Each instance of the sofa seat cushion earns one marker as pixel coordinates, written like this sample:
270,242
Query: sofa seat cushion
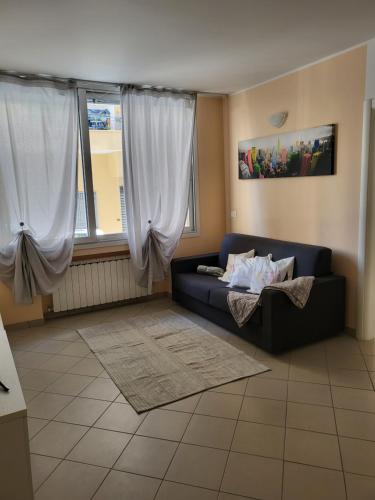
218,299
196,285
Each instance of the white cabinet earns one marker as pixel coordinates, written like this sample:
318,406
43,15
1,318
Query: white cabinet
15,470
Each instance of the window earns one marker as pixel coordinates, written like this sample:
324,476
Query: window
101,209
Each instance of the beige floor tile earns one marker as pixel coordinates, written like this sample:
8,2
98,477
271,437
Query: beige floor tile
123,486
360,487
350,378
252,476
69,385
367,347
41,468
315,374
76,349
25,343
198,466
218,404
35,425
353,399
23,371
372,375
38,380
47,405
57,439
259,439
73,322
87,366
32,359
352,362
72,481
120,417
308,355
355,424
210,431
312,448
358,456
101,388
303,392
237,387
51,346
60,363
343,345
164,424
99,447
147,456
187,405
229,496
174,491
267,388
312,483
82,411
65,334
264,411
370,362
29,394
103,373
311,417
278,369
121,399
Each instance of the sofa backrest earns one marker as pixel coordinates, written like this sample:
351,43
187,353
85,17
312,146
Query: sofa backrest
310,260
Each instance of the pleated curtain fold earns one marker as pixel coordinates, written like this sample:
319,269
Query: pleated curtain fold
38,182
158,132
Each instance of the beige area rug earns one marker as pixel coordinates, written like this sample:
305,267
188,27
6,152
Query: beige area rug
158,358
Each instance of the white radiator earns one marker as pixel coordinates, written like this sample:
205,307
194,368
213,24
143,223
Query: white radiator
93,282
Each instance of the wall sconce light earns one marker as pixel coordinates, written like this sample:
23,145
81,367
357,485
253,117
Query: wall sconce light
278,119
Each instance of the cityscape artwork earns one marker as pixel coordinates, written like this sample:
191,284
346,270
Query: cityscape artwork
308,152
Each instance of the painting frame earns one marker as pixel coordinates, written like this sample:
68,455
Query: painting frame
308,152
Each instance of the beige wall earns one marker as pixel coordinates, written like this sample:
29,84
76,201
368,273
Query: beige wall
211,178
12,313
316,210
211,187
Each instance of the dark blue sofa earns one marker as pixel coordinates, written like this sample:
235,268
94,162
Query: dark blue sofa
277,325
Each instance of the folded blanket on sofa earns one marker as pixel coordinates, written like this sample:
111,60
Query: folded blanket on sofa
243,305
210,270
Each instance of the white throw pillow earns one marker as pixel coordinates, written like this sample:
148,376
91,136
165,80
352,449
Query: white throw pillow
243,274
233,261
266,272
285,267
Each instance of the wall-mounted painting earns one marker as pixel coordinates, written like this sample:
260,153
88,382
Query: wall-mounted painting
308,152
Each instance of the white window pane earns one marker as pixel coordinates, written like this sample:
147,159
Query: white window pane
105,124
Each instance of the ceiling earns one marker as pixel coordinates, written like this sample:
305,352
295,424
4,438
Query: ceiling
206,45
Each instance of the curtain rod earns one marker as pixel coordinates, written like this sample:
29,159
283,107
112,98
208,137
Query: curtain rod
97,85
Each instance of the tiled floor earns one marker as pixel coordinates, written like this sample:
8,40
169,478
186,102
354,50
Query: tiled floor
303,431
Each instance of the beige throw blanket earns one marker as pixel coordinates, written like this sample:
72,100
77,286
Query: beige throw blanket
243,305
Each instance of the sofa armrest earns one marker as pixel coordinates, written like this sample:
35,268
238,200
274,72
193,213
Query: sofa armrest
324,314
190,264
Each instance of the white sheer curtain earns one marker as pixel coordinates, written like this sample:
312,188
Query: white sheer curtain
158,135
38,162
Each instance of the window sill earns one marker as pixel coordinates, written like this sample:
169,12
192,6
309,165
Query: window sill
190,234
87,245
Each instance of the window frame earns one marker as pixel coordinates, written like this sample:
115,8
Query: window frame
93,239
